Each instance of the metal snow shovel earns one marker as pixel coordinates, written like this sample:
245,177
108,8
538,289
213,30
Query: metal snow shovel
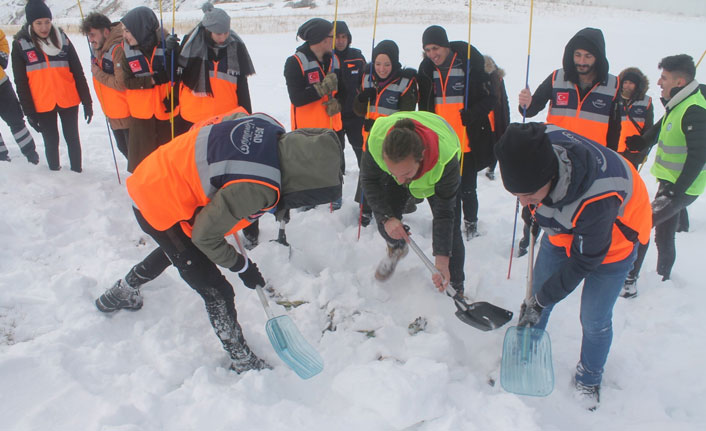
526,366
480,315
288,342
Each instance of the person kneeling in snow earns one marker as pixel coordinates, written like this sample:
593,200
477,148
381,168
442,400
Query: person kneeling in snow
594,208
209,183
416,153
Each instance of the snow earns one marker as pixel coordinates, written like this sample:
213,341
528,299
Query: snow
67,237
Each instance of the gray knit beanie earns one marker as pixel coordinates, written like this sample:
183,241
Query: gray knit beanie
215,20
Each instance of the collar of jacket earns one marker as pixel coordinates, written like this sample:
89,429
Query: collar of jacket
682,94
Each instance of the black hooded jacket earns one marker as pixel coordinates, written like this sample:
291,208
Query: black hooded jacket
300,91
543,93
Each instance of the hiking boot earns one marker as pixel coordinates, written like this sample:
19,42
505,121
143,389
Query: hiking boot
250,240
248,361
337,204
365,219
588,397
490,175
470,229
629,288
387,265
4,157
121,295
32,157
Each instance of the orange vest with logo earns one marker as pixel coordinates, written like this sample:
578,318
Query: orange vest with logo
631,114
148,102
314,114
113,102
449,94
224,86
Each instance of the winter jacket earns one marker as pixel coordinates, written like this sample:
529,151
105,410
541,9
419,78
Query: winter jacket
637,113
63,84
442,182
681,151
481,99
109,80
500,115
4,56
301,71
597,209
352,68
597,115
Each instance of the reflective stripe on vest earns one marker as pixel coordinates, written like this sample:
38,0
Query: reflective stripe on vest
616,178
448,98
672,151
51,82
175,180
314,113
146,103
588,117
636,111
388,98
448,147
224,88
113,102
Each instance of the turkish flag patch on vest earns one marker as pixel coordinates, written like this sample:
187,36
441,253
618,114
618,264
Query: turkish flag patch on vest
32,56
135,66
562,98
313,77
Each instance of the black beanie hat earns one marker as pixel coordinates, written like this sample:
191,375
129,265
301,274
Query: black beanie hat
342,28
585,43
390,49
37,9
436,35
526,157
315,30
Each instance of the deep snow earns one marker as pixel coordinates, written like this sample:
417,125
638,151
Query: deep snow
66,237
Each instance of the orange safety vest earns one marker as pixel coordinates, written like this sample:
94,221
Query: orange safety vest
631,114
588,117
148,102
448,101
51,82
314,114
176,180
224,86
387,101
618,179
113,102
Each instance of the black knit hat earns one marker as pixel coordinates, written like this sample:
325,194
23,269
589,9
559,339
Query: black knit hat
315,30
390,49
526,157
342,28
37,9
436,35
585,43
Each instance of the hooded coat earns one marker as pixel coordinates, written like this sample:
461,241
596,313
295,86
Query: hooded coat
637,112
116,80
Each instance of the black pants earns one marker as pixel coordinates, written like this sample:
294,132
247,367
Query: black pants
121,138
11,113
397,196
50,133
665,221
469,183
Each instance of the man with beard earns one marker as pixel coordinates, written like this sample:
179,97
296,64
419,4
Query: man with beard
583,96
108,77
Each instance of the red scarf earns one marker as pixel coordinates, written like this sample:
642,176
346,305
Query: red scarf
430,156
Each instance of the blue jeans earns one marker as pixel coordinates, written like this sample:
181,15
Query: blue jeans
600,291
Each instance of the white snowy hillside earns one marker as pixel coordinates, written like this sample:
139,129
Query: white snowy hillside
66,237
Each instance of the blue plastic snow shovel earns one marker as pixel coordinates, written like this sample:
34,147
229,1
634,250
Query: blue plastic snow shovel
526,367
289,343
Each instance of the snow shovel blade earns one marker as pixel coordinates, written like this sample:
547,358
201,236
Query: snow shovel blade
292,348
526,366
482,315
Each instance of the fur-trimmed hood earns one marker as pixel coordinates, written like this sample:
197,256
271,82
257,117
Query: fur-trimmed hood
491,67
643,84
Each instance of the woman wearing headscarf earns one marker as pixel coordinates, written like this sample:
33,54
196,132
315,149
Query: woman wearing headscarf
50,81
214,66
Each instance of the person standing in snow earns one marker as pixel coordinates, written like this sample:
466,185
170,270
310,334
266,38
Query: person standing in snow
594,209
106,39
679,162
500,115
442,86
188,205
50,81
636,110
417,154
389,89
11,111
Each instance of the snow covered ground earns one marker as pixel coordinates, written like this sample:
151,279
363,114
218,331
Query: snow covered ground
66,237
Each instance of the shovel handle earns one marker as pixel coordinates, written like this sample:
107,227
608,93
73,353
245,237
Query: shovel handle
530,264
260,293
430,266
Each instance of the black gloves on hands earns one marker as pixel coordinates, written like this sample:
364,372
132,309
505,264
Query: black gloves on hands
368,95
635,143
328,85
527,214
32,120
368,124
171,43
160,77
88,113
665,195
4,59
530,312
468,117
248,272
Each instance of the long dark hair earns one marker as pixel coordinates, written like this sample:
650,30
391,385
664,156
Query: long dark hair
53,38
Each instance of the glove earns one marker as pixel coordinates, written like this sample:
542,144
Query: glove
167,101
160,77
32,120
467,117
369,94
635,143
328,85
527,214
333,107
530,312
368,124
171,43
3,59
88,113
248,272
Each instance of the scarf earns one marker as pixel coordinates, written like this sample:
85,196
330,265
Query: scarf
46,45
193,60
431,148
